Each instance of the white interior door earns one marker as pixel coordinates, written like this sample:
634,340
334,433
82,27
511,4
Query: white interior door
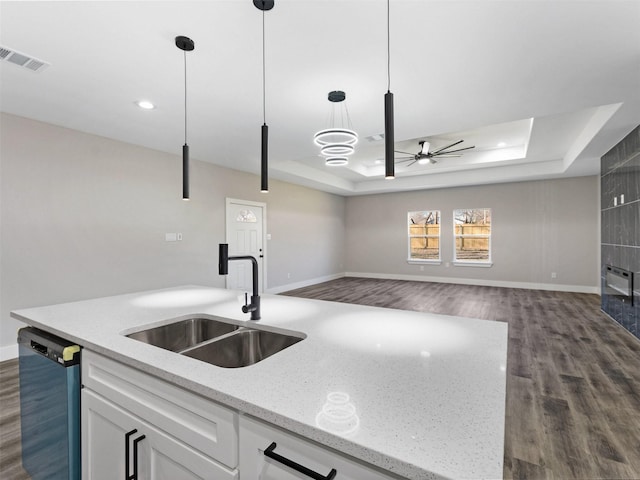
245,236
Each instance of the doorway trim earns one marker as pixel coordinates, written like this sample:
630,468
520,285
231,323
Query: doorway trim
250,203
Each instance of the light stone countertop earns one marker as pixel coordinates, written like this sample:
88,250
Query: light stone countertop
428,390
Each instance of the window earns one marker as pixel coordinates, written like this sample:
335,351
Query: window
246,216
472,232
424,236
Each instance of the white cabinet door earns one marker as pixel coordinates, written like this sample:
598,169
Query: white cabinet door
103,436
256,437
159,455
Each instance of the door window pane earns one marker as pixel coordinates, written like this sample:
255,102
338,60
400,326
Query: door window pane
246,216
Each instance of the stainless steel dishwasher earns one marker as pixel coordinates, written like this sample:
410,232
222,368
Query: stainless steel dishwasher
49,405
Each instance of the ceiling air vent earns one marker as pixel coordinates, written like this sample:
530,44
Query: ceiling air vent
22,60
375,138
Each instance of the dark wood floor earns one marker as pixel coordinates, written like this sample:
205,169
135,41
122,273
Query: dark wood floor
10,461
573,383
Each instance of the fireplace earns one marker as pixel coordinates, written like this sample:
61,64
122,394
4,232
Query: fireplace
619,282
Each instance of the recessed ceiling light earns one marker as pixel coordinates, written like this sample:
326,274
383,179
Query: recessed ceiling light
502,144
145,104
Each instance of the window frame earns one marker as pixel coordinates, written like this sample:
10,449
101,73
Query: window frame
423,261
468,262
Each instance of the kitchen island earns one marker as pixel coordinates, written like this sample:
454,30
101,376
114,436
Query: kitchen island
426,391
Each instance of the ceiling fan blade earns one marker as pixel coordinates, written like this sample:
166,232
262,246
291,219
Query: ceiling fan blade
406,153
402,160
445,155
448,146
412,163
452,151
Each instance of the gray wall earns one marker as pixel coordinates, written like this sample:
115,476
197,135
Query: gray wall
538,228
83,216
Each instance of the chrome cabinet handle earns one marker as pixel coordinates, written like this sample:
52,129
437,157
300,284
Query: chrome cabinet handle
269,452
127,457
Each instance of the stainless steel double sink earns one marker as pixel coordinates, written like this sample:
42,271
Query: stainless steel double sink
216,341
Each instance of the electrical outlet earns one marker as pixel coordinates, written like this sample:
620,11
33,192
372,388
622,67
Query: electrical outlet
554,275
170,237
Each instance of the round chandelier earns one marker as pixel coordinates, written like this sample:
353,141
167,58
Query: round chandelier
336,161
337,142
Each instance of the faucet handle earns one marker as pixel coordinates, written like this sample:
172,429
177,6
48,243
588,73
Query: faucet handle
253,307
245,307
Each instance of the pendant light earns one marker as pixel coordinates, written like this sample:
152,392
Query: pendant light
389,144
337,141
186,45
264,5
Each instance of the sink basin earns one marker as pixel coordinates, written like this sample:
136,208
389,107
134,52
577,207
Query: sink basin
183,334
216,342
243,348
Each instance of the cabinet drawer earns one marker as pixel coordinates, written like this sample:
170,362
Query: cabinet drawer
256,437
198,422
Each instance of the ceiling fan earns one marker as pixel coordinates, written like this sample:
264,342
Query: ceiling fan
425,156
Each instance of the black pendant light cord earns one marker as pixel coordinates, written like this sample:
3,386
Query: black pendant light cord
264,77
185,96
186,45
185,147
264,157
388,49
389,137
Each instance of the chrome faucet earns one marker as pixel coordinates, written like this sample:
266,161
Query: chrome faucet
223,269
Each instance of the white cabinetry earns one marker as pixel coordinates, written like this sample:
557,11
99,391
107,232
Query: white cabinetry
256,438
132,419
178,435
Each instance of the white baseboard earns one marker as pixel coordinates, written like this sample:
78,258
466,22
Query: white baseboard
304,283
475,281
8,352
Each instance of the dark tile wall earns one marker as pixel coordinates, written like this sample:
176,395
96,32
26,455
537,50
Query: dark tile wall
620,223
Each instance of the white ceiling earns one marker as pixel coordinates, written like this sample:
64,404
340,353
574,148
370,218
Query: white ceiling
558,81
